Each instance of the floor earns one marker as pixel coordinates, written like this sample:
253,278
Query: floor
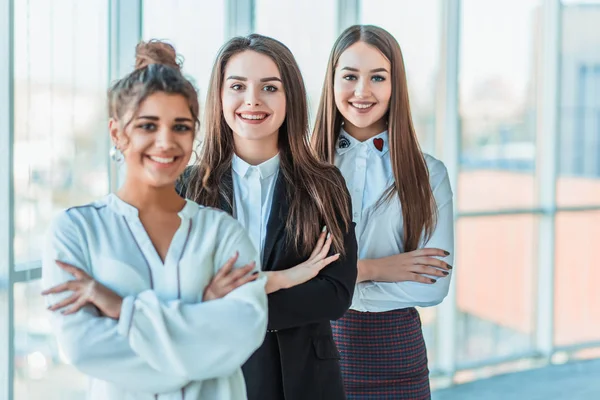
572,381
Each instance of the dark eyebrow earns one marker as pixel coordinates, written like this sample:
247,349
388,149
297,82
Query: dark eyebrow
356,69
271,78
241,78
155,118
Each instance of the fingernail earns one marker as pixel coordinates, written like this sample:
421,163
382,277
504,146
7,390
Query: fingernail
449,266
324,228
328,235
255,273
446,252
433,280
445,272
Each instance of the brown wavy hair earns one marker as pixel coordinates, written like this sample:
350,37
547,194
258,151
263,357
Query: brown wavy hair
316,191
157,69
411,175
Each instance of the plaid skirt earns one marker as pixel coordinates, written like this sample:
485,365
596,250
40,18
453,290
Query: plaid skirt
383,355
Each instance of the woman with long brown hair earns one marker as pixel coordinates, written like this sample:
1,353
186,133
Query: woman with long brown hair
402,207
256,163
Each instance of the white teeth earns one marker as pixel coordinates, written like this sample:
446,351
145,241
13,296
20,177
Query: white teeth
162,160
362,106
253,116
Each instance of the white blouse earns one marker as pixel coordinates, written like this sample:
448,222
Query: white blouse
367,169
167,344
253,188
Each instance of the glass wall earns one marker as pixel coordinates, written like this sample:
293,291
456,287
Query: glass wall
497,104
496,253
60,118
60,160
62,53
577,311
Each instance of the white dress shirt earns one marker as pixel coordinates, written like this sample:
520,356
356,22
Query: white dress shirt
253,188
167,343
367,168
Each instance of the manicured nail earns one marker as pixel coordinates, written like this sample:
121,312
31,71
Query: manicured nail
449,266
445,272
324,229
328,235
446,252
255,273
433,280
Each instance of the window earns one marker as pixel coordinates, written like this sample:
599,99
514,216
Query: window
498,104
417,28
60,160
579,137
309,29
195,28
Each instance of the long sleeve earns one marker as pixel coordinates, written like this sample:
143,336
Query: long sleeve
203,340
325,297
90,342
411,294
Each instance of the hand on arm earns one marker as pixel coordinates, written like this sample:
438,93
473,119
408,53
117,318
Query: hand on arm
411,266
228,279
85,290
402,279
304,272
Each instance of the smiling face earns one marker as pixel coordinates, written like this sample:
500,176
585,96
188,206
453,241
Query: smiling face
253,97
362,89
158,142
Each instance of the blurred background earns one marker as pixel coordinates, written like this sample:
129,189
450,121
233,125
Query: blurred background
506,93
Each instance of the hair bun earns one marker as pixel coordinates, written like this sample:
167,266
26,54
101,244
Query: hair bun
156,52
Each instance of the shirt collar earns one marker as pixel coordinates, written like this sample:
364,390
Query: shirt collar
123,208
378,144
266,169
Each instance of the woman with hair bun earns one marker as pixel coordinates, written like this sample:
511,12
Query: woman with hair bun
159,298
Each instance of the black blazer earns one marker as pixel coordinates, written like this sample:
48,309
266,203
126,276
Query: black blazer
299,359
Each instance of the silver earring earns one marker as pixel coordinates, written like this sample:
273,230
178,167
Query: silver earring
116,155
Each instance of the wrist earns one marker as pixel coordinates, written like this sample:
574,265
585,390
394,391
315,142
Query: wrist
363,271
275,281
366,270
117,308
